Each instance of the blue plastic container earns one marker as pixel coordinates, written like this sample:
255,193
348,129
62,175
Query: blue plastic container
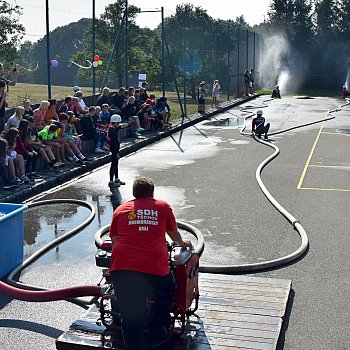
11,236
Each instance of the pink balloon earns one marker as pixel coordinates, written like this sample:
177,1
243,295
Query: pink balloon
54,63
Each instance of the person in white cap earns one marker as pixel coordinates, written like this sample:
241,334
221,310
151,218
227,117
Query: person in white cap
75,89
113,134
258,125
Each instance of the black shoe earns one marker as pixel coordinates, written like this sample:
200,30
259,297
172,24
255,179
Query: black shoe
34,176
258,136
120,182
266,137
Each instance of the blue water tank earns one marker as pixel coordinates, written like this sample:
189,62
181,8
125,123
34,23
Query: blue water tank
11,236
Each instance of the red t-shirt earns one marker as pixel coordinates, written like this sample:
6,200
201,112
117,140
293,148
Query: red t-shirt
140,226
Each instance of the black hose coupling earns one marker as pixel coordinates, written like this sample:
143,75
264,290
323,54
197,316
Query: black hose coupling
294,223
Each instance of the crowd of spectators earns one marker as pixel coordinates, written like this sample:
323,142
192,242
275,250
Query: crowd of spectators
56,131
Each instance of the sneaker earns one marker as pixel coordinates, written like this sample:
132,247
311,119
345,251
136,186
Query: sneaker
113,184
119,182
258,136
24,179
34,176
140,130
99,150
18,181
136,135
105,148
266,137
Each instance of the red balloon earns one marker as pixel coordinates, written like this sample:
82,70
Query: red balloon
96,58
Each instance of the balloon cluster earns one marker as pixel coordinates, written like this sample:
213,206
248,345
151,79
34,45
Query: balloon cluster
97,62
54,63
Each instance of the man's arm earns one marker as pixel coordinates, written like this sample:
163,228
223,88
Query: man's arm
253,125
176,237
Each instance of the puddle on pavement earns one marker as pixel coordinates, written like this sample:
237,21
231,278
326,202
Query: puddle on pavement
343,131
224,122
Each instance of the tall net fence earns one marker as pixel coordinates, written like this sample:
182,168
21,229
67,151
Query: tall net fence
186,49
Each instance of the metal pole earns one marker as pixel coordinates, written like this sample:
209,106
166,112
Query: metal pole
163,54
238,62
126,45
48,51
228,61
93,51
113,52
247,54
254,56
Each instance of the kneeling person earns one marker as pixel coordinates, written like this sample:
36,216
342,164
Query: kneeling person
258,125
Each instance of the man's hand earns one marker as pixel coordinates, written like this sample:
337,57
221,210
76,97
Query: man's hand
187,244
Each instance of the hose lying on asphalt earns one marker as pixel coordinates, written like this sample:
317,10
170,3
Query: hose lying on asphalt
254,267
26,292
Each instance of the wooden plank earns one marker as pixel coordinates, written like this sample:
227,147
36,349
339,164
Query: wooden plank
235,312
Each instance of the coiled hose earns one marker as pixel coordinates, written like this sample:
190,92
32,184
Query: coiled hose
28,292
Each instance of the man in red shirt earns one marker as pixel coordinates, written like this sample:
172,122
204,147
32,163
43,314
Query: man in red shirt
140,268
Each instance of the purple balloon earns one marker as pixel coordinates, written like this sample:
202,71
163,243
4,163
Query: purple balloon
54,63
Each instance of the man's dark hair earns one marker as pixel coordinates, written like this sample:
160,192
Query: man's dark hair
2,83
143,187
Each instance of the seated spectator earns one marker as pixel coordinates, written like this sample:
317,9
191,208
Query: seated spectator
3,103
276,93
131,91
96,117
152,103
72,153
105,115
51,113
76,88
24,148
146,120
83,107
44,151
118,100
6,174
143,95
68,105
137,99
346,93
12,156
49,136
89,132
104,97
40,114
13,121
129,115
28,111
163,109
77,108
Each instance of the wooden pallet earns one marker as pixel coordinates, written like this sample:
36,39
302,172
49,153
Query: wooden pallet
235,312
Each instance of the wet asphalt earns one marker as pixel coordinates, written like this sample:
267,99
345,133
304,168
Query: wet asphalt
207,173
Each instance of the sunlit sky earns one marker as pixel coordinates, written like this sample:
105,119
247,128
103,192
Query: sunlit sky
63,12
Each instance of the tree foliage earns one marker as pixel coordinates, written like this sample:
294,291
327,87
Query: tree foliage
11,30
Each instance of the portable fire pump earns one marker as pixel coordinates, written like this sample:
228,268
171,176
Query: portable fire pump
183,263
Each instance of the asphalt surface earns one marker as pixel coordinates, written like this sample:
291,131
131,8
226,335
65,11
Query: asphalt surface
207,173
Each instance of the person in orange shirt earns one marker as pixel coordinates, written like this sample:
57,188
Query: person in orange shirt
51,113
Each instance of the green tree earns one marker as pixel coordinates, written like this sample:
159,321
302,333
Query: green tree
11,31
327,17
344,22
